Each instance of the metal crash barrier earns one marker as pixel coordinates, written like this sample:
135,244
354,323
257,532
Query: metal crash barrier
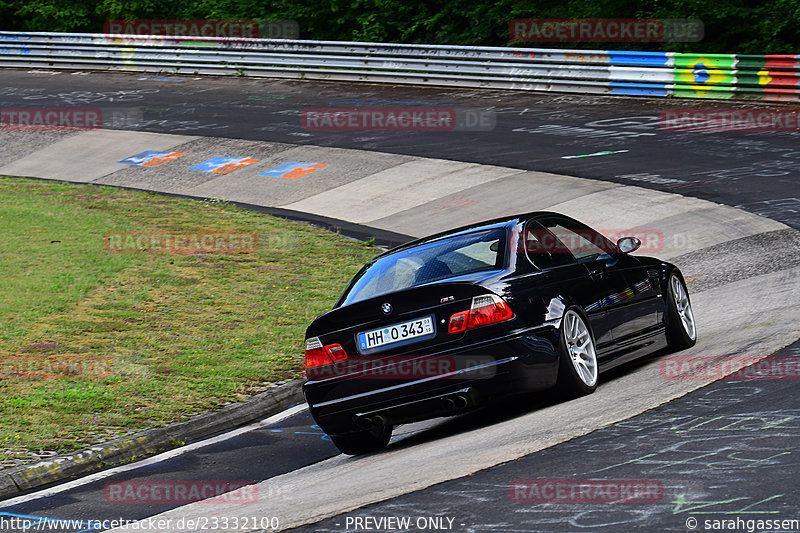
654,74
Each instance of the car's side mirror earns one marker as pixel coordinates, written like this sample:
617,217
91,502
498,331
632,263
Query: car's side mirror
627,245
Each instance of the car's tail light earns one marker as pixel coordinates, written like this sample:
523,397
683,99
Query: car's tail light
319,355
486,309
315,353
458,322
336,352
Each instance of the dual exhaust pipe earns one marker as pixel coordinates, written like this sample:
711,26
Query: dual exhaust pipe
456,402
372,421
451,403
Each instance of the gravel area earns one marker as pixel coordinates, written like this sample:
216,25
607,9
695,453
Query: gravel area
18,144
740,259
11,456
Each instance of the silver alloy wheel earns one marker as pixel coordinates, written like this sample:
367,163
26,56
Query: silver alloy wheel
683,307
580,347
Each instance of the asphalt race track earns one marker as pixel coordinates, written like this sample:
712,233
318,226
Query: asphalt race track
722,451
701,449
757,171
698,447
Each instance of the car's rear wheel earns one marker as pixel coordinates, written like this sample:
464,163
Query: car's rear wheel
681,328
577,366
365,441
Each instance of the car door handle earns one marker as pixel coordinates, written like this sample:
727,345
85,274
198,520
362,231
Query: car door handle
597,272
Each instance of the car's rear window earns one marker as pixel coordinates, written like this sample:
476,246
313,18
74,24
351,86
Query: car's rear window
433,261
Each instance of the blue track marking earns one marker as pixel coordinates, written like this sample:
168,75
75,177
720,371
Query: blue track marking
318,431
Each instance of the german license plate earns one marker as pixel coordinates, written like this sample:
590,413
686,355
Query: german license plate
374,340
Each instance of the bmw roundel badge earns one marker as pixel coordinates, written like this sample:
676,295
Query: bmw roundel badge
386,308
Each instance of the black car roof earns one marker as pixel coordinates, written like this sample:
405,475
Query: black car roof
506,221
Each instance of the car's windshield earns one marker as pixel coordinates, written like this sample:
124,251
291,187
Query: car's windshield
432,261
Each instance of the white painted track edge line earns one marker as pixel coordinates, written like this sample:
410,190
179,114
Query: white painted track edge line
44,493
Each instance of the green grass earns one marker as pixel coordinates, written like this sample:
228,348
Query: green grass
177,334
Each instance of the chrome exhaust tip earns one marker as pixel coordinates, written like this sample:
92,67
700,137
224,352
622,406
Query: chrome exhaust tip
461,401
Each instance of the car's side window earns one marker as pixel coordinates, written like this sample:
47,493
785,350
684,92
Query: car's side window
542,248
584,243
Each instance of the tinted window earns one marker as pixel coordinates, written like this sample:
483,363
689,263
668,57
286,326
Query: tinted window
542,248
433,261
584,243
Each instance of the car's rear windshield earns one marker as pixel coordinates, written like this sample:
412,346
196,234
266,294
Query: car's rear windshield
432,261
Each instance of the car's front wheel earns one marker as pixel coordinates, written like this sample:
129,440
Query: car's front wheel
681,328
577,366
366,441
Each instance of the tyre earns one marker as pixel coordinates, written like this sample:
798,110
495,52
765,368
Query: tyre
681,328
577,365
365,441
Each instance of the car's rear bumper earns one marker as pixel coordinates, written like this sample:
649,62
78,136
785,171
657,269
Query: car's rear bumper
520,362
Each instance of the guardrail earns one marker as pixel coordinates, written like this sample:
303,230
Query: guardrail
725,76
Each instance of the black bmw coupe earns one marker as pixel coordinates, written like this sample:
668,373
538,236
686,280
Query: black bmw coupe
443,324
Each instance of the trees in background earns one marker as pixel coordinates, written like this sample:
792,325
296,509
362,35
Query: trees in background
731,26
